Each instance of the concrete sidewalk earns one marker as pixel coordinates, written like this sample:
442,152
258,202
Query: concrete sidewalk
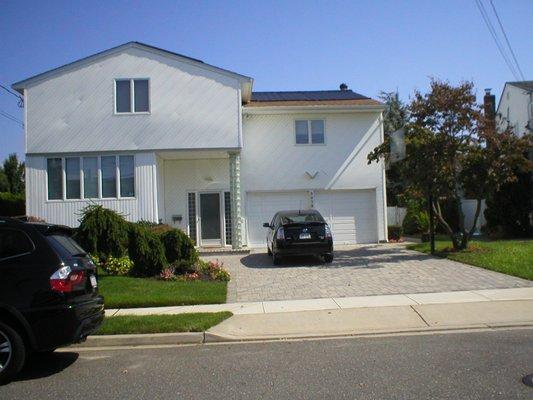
358,321
339,303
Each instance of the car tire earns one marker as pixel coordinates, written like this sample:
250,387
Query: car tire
276,259
13,362
328,258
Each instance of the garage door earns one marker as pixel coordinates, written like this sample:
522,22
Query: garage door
261,207
351,214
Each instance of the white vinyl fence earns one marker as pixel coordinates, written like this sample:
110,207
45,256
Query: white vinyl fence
395,215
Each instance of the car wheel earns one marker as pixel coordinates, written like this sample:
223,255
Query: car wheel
328,258
276,259
12,352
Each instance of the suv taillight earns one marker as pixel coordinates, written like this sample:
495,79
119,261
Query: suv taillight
280,234
64,280
328,231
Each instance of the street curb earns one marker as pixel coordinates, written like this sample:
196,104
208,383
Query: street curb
207,337
142,340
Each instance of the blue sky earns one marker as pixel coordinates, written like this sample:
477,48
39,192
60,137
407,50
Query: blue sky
284,45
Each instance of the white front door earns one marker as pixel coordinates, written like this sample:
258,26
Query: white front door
210,219
261,207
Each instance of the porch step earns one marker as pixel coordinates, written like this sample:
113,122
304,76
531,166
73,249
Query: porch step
211,251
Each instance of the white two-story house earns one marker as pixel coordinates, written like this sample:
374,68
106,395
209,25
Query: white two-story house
515,108
162,137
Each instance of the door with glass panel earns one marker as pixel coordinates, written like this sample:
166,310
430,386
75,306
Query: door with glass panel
210,219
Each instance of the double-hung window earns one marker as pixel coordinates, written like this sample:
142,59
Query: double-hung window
91,177
132,96
310,131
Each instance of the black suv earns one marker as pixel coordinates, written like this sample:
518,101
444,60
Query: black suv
299,232
48,292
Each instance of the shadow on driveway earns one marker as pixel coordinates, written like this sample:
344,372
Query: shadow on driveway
368,257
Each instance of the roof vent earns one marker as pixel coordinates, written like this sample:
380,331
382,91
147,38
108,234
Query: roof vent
343,87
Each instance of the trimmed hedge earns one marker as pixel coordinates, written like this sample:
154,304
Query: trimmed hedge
12,205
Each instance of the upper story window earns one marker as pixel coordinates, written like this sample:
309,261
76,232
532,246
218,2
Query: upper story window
132,96
91,177
310,131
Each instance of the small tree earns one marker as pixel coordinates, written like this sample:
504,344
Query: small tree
14,174
452,150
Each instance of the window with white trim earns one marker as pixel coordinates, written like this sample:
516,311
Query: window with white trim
309,131
132,96
91,177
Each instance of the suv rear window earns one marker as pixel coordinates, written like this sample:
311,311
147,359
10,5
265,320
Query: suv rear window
300,218
65,245
14,243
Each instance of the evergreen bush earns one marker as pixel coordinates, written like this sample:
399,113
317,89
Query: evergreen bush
102,232
179,250
12,205
146,251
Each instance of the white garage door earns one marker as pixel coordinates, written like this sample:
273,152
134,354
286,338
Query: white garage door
351,214
261,207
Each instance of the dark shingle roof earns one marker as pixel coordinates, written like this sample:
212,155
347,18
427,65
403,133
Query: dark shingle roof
314,95
526,85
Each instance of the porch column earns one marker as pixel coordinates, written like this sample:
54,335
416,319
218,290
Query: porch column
235,197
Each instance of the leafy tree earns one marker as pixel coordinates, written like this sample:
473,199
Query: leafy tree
14,173
452,150
4,184
394,118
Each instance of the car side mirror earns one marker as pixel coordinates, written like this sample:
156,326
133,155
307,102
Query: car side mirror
266,225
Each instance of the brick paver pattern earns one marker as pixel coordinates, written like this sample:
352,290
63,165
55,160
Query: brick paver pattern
359,270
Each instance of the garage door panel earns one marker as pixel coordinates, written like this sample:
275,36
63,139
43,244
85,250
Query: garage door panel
351,214
261,207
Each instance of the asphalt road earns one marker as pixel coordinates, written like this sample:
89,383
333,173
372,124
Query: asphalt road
480,365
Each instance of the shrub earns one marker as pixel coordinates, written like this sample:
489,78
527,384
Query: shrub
146,251
179,250
102,232
415,221
395,232
212,270
12,205
118,266
167,274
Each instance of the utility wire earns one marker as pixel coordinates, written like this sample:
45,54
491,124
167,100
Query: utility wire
495,37
20,99
507,40
11,117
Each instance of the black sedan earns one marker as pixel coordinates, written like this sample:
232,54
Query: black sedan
299,232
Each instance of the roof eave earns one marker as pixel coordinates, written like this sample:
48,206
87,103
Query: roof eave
21,85
314,108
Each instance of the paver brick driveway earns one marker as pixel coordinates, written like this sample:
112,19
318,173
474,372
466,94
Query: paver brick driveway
361,270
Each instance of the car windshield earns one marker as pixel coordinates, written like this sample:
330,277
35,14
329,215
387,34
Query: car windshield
65,244
300,218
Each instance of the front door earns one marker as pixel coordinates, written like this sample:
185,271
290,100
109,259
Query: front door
210,231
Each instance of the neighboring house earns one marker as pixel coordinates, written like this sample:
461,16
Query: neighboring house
515,108
161,137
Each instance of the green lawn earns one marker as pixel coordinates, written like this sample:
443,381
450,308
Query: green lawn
127,292
194,322
512,257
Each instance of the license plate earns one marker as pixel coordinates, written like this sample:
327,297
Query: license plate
305,236
92,278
